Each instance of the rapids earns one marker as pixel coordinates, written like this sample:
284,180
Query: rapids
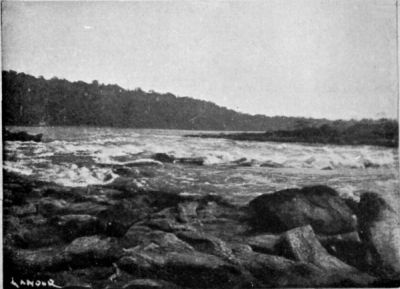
81,156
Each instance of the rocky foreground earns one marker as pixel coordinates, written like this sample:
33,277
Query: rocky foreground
120,236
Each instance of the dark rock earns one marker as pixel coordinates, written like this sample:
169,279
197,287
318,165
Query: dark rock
238,161
38,236
74,226
379,228
243,162
28,209
319,206
348,248
70,280
15,194
125,172
21,136
191,161
44,259
91,250
302,245
117,219
165,158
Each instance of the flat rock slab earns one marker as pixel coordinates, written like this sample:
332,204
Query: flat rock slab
193,269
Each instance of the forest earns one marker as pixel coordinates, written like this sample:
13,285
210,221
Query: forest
31,101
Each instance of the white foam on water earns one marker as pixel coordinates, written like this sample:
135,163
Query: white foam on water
17,167
115,146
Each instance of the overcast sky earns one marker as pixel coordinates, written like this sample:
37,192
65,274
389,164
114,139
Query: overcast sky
313,58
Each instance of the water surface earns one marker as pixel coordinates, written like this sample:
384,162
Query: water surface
79,156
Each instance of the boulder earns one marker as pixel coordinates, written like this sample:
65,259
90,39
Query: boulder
191,161
162,157
379,228
117,219
319,206
74,226
93,249
301,244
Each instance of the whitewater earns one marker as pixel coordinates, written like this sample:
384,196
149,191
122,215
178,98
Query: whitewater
82,156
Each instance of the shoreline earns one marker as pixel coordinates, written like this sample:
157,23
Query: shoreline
127,234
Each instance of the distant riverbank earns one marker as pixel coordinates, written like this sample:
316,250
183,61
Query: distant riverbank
386,136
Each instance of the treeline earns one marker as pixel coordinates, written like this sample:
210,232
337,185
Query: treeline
30,101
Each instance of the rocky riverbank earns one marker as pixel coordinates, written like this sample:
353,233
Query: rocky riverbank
121,236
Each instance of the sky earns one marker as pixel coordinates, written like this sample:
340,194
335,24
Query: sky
313,58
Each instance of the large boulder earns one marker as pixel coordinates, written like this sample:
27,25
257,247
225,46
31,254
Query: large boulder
319,206
379,228
302,245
